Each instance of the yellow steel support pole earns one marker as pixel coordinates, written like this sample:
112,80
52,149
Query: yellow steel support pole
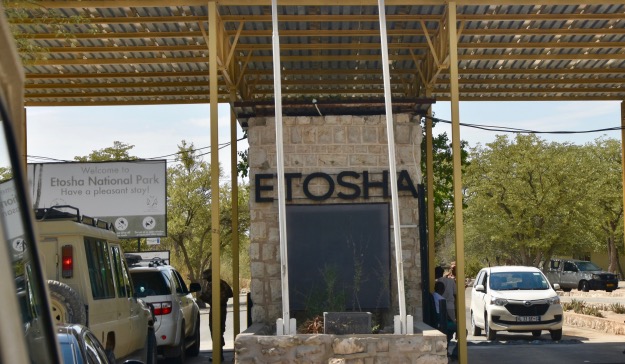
235,216
214,127
623,150
455,142
429,168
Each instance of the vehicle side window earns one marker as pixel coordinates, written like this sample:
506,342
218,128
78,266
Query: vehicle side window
478,279
100,273
120,279
484,281
182,286
569,267
555,264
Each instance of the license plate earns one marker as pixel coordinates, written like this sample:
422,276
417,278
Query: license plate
609,284
528,318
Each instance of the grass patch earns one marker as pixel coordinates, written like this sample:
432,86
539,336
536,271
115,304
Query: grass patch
582,308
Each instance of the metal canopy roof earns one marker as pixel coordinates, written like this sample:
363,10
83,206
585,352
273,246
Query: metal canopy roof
156,51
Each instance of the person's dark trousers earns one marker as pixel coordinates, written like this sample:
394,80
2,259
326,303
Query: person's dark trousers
224,311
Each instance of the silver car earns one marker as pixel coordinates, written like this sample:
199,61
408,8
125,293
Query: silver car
177,314
515,299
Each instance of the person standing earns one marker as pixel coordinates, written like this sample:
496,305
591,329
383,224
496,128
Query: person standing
450,291
225,293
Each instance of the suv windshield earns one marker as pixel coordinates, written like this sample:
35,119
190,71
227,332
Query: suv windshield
508,281
587,266
150,283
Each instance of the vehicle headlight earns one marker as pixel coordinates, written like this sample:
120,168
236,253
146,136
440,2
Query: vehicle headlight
554,300
498,301
596,276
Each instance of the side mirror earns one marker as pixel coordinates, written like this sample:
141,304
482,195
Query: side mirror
195,287
556,286
480,288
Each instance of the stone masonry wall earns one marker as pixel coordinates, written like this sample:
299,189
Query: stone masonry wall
426,346
329,144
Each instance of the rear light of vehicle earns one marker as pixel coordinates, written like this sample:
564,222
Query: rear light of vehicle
67,261
162,308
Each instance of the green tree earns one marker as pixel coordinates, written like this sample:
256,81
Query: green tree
606,192
118,152
443,190
526,201
189,214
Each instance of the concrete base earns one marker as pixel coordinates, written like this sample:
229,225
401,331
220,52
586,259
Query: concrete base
426,346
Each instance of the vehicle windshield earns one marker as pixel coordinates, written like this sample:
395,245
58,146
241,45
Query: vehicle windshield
587,266
509,281
150,284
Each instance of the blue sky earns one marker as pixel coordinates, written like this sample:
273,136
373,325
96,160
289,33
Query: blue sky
64,132
539,116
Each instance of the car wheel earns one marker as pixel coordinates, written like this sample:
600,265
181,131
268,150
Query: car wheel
536,333
179,359
584,286
556,334
151,347
490,334
566,289
67,306
475,331
194,350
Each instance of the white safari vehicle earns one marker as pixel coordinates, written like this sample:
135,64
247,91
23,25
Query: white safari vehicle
90,284
516,299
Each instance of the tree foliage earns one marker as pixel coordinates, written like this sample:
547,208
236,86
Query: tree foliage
189,198
443,189
189,213
32,11
606,191
118,152
527,201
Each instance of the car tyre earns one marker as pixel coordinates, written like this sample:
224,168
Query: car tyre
490,333
566,289
67,306
180,358
475,331
536,333
584,286
194,350
556,335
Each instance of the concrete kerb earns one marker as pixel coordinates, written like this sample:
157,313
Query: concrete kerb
600,324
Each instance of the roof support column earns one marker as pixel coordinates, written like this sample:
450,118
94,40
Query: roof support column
457,181
214,119
429,170
623,148
235,215
405,327
284,325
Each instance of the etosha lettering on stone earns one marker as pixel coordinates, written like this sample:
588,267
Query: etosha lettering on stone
353,184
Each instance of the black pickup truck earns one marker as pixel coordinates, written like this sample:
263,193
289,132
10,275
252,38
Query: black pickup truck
580,274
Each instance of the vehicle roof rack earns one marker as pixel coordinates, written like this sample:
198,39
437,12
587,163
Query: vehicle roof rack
137,260
60,212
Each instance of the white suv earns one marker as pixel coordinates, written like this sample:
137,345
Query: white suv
514,298
177,314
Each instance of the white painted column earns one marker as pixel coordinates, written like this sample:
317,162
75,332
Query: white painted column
401,326
284,326
214,137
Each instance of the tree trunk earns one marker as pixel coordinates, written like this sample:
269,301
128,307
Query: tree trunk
613,255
